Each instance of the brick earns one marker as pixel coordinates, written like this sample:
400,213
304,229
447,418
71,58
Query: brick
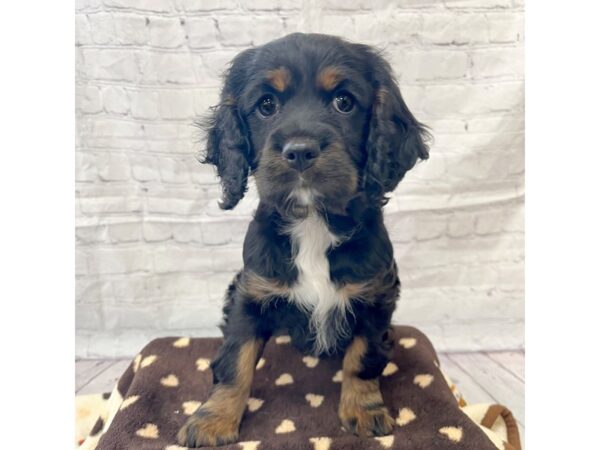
144,5
176,104
174,170
89,316
109,64
120,260
476,4
85,167
125,232
91,234
202,32
89,99
116,100
83,31
273,5
167,32
143,168
87,5
454,29
174,259
434,65
461,224
171,68
113,167
498,62
489,222
81,262
144,104
187,232
157,231
383,30
103,28
216,233
244,30
505,27
209,5
118,317
130,29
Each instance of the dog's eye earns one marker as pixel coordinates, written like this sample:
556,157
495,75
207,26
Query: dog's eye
267,105
343,102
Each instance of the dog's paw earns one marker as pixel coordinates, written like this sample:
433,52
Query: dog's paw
366,421
207,430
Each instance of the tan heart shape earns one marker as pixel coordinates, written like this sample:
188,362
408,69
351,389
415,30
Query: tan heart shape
190,407
129,401
254,404
320,443
453,433
284,378
249,445
310,361
149,431
405,416
408,342
389,369
202,364
338,377
170,381
386,441
147,361
182,342
283,339
286,426
260,364
423,380
314,400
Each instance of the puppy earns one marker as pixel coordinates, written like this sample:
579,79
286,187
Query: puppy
321,125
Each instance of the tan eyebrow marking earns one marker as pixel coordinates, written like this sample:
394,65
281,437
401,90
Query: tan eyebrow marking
329,78
279,78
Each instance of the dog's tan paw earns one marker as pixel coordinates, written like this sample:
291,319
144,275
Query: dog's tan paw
366,421
206,430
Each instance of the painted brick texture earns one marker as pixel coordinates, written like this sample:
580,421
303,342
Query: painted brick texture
154,252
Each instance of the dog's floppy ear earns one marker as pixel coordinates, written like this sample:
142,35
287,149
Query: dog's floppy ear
228,146
396,140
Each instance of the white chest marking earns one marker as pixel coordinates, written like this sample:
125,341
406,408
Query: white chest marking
314,291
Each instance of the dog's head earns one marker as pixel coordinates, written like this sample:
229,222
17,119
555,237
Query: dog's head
317,120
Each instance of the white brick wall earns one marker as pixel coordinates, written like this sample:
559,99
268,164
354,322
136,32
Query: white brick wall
155,253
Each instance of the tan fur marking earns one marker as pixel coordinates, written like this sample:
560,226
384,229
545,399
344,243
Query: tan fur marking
260,288
329,78
354,290
279,78
226,405
359,398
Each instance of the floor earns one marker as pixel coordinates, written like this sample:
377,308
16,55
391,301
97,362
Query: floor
484,377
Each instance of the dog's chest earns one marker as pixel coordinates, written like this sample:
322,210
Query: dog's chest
311,239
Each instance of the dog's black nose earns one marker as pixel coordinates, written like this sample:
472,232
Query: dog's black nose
300,154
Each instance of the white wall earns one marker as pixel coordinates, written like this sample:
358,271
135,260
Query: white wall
155,253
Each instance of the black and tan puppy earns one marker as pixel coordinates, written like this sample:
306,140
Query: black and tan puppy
321,125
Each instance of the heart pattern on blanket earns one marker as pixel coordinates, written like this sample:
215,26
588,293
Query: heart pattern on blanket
314,400
202,364
453,433
148,431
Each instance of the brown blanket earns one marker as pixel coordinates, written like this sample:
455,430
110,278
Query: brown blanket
294,401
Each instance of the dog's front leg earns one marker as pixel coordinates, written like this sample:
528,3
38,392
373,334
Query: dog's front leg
361,408
217,421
